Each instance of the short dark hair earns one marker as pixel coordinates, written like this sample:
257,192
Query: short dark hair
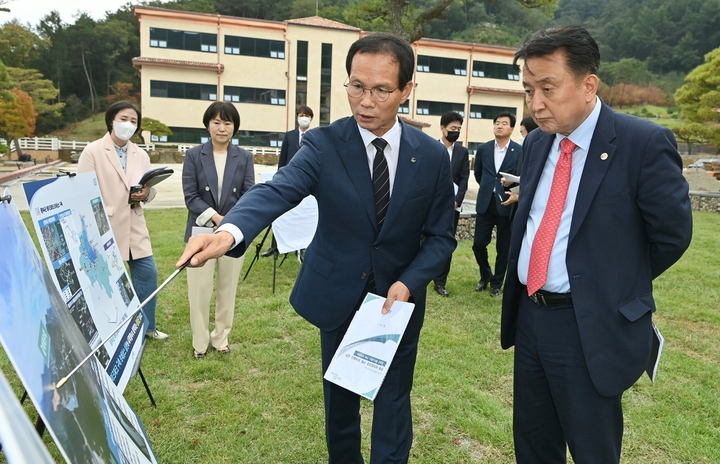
529,124
226,111
117,107
306,110
582,55
386,44
450,116
505,114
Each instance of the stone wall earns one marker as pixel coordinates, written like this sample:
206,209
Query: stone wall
705,201
701,201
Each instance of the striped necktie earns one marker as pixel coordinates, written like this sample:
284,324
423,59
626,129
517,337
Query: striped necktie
381,181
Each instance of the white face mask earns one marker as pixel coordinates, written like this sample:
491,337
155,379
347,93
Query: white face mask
124,130
304,122
520,139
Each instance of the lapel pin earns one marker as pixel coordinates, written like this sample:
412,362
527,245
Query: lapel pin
604,156
412,160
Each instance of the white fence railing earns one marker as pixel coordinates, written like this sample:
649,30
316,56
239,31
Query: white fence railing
55,144
183,147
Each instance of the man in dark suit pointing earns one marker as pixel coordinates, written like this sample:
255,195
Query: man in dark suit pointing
385,198
603,210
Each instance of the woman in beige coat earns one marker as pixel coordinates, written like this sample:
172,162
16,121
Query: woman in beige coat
119,164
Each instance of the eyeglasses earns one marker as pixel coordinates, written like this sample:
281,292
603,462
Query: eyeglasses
377,93
501,123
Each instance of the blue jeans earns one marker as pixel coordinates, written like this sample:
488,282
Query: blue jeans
144,276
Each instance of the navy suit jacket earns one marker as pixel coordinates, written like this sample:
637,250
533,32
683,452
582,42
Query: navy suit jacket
632,220
415,240
290,146
200,181
460,166
487,177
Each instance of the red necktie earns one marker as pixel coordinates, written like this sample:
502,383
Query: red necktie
545,236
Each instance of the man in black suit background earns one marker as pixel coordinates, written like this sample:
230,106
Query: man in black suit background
604,209
491,158
290,145
450,126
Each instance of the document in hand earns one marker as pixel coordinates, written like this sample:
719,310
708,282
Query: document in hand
512,178
657,346
365,353
151,177
155,176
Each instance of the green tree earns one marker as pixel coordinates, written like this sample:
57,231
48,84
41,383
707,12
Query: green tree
408,20
155,127
692,133
44,96
699,97
19,46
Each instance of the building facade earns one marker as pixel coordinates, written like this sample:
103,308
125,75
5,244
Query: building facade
270,68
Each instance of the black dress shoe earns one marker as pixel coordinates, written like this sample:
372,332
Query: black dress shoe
482,285
269,252
440,289
494,292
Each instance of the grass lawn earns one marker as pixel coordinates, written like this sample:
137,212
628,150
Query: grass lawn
263,402
87,130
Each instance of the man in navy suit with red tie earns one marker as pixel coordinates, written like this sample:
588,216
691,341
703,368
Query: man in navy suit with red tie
385,214
603,210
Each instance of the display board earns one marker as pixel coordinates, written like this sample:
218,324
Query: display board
87,417
72,226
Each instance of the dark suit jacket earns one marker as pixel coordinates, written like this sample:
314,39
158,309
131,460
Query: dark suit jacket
460,166
200,181
412,246
487,177
290,146
631,221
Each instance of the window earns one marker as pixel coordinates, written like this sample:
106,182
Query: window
438,65
259,138
302,60
155,138
183,40
438,108
252,95
489,112
325,83
301,73
164,89
495,71
404,108
248,46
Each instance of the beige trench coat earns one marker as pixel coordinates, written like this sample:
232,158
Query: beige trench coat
128,224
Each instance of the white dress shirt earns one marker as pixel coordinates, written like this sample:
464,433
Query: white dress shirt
392,151
557,276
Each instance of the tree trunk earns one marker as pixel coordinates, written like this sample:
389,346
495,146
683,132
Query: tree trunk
87,76
18,150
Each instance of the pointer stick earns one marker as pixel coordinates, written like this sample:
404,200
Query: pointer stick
122,323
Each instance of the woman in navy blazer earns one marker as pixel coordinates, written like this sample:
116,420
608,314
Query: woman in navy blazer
215,175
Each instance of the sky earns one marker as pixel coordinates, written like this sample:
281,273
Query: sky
31,11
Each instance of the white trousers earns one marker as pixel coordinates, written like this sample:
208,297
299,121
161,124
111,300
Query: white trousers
200,290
